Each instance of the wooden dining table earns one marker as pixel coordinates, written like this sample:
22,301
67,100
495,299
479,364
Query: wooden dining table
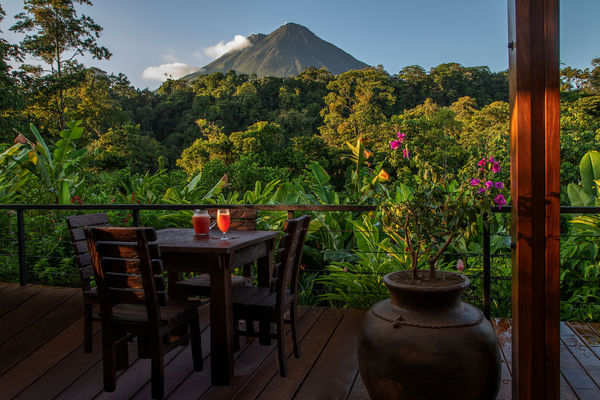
183,251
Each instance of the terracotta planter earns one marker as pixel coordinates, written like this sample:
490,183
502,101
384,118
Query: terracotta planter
425,343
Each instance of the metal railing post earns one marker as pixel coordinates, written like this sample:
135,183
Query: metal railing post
136,216
486,268
21,244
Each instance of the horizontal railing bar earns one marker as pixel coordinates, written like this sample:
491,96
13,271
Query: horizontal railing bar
563,210
167,207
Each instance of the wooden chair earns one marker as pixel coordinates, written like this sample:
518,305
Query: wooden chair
76,223
241,219
86,269
125,270
270,304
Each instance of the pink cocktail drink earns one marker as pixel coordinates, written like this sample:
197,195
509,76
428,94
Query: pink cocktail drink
201,221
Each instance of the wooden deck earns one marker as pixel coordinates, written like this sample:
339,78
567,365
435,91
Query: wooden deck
41,357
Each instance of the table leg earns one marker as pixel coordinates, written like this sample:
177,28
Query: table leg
265,274
172,278
221,323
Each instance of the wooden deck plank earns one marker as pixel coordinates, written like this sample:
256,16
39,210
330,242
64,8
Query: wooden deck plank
588,335
505,392
37,364
254,360
64,373
180,367
586,332
311,346
566,392
31,310
129,381
88,383
503,329
196,383
39,332
14,296
584,355
45,359
338,362
583,386
133,379
358,391
267,370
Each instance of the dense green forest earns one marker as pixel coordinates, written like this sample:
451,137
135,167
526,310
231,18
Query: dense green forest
352,138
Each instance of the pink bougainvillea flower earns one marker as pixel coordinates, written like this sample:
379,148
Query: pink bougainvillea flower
394,144
496,167
499,185
500,200
482,162
460,265
491,160
489,184
481,190
405,153
475,182
401,136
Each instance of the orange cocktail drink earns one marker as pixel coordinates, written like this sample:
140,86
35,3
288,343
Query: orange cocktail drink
223,222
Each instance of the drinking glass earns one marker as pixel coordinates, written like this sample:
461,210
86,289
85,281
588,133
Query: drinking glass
223,222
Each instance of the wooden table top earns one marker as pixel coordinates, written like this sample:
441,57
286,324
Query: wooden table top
182,240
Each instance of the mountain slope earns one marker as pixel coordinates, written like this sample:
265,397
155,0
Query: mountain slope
285,52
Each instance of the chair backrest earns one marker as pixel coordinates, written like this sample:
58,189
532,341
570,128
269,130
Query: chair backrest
124,268
289,256
242,219
76,223
82,254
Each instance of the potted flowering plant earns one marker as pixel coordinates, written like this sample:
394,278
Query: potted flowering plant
424,342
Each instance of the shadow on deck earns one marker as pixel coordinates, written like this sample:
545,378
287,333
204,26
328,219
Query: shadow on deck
41,357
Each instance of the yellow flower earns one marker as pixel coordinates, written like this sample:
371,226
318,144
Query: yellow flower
383,176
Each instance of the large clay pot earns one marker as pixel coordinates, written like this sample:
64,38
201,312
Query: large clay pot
425,343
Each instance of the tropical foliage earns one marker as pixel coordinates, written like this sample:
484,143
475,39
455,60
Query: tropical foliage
311,139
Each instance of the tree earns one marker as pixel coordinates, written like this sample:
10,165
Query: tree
56,34
96,102
11,98
357,103
126,147
214,146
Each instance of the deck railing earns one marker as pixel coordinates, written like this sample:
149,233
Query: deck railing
136,208
487,256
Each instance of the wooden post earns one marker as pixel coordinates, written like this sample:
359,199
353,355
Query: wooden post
535,184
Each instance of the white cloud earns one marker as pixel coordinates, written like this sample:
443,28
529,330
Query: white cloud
169,56
216,51
173,70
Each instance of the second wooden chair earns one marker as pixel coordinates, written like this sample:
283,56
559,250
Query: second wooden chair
270,304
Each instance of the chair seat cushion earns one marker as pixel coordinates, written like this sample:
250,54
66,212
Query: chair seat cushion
203,282
257,297
136,313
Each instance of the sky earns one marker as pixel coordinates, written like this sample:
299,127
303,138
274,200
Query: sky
151,37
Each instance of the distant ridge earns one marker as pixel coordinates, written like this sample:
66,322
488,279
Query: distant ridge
287,51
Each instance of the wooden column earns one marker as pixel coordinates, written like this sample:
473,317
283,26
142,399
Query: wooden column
535,179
